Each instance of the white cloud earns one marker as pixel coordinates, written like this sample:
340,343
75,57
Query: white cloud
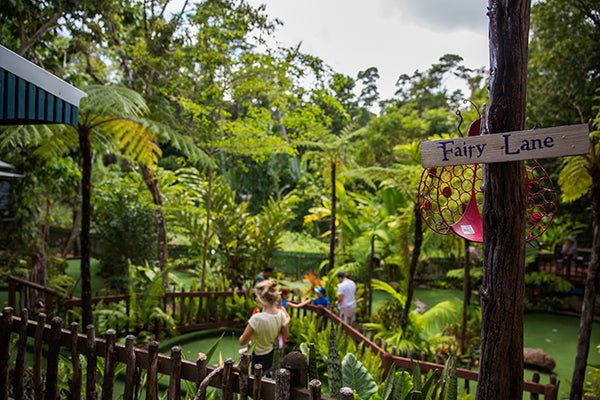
442,15
396,36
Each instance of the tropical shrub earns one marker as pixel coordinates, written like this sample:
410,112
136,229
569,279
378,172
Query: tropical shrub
124,222
146,291
592,383
424,332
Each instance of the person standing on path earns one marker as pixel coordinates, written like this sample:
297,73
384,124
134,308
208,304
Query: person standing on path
263,275
264,326
346,298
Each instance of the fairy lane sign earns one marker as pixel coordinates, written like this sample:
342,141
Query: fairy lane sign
510,146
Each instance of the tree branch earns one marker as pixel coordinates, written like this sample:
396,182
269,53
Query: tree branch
40,32
586,10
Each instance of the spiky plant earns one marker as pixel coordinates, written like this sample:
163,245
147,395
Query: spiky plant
334,365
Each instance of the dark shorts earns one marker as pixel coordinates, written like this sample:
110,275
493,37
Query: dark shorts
266,360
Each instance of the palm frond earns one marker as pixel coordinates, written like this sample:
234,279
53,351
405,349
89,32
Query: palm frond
134,138
574,179
41,137
440,315
111,100
185,145
387,288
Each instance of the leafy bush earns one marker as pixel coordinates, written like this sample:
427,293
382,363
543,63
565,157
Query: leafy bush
125,225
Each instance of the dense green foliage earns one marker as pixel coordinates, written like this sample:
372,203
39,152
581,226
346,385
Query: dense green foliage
196,127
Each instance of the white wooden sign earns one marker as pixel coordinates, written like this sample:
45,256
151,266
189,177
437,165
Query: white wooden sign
510,146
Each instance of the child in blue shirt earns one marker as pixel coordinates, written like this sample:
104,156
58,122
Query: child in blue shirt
321,300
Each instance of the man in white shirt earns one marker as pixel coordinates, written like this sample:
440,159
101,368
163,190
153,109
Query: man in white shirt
346,298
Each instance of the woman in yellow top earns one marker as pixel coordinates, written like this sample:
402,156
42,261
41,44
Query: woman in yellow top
264,327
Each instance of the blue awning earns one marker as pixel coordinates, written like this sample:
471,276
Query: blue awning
32,95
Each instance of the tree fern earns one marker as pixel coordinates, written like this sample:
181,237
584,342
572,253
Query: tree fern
387,288
574,178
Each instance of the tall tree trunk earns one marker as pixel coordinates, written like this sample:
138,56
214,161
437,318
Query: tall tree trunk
207,228
371,268
71,244
333,216
161,228
503,288
418,239
466,297
86,214
591,286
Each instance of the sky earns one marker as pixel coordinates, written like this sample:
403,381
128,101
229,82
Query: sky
396,36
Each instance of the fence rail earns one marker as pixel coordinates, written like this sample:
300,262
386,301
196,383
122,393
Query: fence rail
229,378
195,310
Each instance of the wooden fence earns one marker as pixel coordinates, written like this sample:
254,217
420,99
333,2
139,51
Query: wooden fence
198,310
190,310
229,378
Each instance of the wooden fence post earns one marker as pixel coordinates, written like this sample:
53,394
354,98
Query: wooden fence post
12,293
467,387
226,380
108,382
174,380
5,323
346,393
536,379
75,380
18,373
181,308
52,361
282,384
257,388
90,380
38,388
130,360
553,393
315,389
201,366
243,375
151,377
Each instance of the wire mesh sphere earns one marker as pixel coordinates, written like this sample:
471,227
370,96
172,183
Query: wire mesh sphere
541,200
444,193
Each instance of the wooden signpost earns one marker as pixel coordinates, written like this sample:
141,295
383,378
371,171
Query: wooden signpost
511,146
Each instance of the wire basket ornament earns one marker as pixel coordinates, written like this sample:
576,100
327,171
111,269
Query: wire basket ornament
450,198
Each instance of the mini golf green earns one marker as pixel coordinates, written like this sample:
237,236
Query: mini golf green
555,334
201,342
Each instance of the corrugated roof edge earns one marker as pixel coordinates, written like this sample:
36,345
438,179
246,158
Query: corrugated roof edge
27,70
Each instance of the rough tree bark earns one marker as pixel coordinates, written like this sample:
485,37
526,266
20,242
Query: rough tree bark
161,228
591,286
418,239
209,178
333,216
86,215
503,288
72,245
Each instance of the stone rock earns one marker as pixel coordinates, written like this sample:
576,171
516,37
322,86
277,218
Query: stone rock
538,359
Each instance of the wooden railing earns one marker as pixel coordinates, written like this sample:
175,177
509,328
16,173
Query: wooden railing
389,358
190,310
198,310
229,378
